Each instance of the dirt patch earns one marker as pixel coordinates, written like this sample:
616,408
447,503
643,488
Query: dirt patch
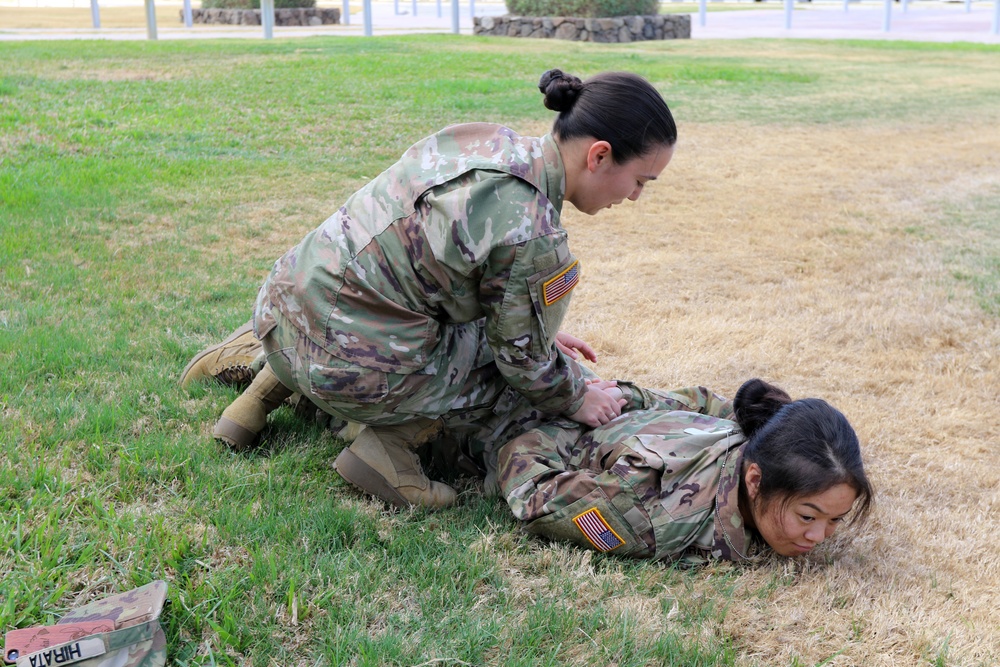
789,254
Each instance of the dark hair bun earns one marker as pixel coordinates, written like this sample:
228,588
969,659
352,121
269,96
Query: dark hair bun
561,90
756,402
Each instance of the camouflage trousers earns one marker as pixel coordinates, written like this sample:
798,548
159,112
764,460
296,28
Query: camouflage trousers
461,388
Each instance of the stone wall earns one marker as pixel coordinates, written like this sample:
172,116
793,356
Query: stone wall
302,16
621,29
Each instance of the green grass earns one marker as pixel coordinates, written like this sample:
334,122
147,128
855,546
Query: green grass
975,259
145,188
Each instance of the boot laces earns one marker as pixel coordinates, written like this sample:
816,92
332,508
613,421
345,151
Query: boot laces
236,375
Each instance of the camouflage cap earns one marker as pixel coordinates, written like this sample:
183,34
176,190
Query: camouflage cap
120,631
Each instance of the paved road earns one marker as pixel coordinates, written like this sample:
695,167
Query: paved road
923,21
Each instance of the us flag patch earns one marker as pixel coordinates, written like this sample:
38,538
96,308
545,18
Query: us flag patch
597,530
558,287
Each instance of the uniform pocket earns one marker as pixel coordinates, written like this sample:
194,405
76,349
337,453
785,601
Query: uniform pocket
596,522
344,382
550,292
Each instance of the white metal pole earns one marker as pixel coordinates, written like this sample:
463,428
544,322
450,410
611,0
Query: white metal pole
702,11
968,6
188,20
846,3
439,9
789,7
95,13
887,16
267,18
472,9
150,19
347,12
414,7
367,9
906,6
454,16
996,17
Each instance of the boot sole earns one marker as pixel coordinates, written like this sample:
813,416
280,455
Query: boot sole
209,350
234,435
364,477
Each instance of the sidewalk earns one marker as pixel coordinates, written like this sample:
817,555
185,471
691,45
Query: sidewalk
923,21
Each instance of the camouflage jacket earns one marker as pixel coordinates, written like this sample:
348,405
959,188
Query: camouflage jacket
661,481
464,226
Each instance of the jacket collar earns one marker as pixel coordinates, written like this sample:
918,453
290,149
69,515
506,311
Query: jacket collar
733,540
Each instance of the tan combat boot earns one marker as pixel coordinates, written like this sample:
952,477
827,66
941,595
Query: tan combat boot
231,362
242,422
381,462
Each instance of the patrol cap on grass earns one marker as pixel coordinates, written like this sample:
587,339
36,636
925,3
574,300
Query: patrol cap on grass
118,631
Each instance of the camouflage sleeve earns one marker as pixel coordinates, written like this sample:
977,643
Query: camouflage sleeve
530,466
688,399
525,290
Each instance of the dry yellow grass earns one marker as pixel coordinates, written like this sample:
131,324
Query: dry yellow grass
783,253
19,18
168,15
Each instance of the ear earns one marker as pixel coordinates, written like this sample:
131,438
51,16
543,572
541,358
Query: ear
598,154
751,480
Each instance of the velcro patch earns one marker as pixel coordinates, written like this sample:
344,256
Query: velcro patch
65,654
561,285
29,640
597,531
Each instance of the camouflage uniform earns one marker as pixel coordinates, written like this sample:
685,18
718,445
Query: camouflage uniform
435,288
661,481
118,631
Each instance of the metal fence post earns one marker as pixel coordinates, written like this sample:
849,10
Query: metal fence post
996,17
347,11
968,6
95,13
267,17
454,16
702,11
188,20
367,9
150,19
414,7
472,9
789,8
887,16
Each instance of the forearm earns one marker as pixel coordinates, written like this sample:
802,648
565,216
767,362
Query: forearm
689,399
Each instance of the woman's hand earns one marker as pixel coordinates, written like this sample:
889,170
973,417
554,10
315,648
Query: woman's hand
608,386
599,405
573,347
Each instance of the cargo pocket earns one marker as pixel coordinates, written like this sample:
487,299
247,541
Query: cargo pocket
344,382
595,522
550,292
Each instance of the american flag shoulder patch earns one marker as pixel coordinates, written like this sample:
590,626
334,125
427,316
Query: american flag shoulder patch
556,288
597,531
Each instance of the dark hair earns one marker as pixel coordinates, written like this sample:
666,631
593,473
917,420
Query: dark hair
803,447
618,107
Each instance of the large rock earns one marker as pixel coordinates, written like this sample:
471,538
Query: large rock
620,29
283,17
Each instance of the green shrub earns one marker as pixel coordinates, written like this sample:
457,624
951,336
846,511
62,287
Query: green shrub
255,4
587,8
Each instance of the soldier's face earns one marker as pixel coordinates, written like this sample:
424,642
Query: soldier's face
793,528
609,183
